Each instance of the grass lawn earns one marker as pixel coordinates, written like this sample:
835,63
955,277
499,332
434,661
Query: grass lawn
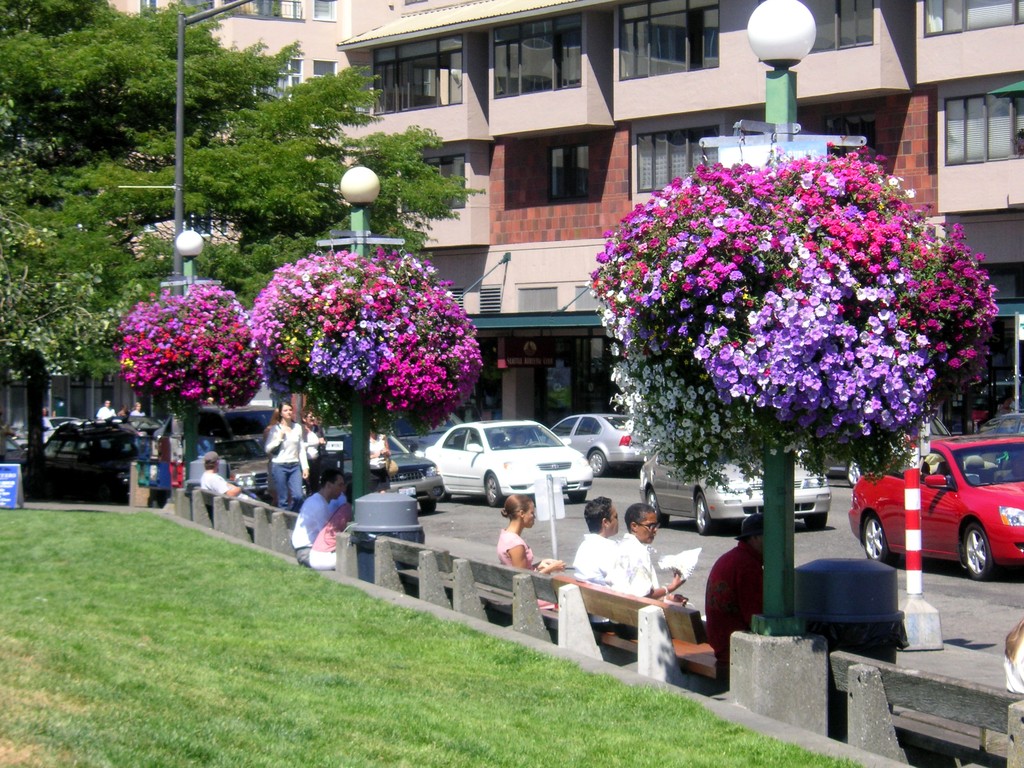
128,640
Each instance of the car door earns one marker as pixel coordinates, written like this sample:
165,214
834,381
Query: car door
454,460
564,429
942,510
587,434
674,496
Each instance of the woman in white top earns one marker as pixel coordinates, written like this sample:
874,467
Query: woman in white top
288,464
1013,659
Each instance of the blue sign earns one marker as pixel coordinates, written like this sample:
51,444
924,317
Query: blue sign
11,494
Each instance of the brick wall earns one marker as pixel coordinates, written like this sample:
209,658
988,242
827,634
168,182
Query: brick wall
522,210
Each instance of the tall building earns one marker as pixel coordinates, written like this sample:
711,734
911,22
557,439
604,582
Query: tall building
566,113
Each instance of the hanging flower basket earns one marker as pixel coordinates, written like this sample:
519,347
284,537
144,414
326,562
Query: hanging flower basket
336,325
186,349
804,304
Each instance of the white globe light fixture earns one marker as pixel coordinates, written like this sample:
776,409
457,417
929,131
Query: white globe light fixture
360,185
781,33
189,243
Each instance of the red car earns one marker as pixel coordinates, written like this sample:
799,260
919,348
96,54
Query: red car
972,506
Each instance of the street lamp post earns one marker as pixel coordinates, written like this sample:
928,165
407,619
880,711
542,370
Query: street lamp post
178,263
781,33
360,187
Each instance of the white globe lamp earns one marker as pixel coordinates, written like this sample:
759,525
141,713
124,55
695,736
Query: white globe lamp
781,32
189,243
360,185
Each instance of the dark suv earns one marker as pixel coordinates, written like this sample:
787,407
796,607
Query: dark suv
248,421
93,459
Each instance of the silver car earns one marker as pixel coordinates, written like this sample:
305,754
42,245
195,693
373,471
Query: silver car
602,438
711,505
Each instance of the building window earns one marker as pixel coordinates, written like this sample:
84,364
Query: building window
660,38
289,76
451,165
419,75
147,5
325,10
490,299
842,23
853,125
538,299
667,155
537,56
942,16
982,128
569,170
273,9
321,68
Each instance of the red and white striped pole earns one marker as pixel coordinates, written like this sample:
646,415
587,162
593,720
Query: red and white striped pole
912,504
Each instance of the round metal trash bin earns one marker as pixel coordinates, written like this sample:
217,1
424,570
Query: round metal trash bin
382,514
854,605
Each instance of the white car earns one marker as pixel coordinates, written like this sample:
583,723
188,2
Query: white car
498,458
712,506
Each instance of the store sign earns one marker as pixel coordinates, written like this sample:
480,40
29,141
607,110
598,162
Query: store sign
11,494
518,352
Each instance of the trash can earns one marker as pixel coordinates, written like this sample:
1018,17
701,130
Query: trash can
382,514
854,605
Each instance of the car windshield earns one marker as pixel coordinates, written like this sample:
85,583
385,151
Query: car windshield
514,436
240,450
982,465
249,422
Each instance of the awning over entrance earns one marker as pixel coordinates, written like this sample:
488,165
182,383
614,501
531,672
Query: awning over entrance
517,320
1009,91
454,18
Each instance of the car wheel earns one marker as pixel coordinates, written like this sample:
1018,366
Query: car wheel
976,554
103,494
852,474
705,525
428,506
872,537
816,522
598,463
492,490
577,497
652,500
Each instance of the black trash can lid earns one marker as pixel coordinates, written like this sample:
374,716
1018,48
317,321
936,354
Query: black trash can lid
846,591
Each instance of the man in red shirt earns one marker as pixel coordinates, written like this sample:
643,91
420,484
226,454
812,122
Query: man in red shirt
735,590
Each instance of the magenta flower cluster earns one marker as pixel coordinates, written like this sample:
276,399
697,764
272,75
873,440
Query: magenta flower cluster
337,324
806,302
186,349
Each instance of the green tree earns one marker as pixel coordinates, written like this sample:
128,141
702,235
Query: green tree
87,118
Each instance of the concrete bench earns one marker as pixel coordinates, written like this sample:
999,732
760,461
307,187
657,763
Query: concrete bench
241,517
670,640
488,591
904,713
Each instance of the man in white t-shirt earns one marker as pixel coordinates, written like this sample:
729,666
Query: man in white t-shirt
599,552
212,481
105,412
316,511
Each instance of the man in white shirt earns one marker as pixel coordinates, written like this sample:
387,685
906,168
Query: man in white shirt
105,412
634,571
212,481
316,511
597,555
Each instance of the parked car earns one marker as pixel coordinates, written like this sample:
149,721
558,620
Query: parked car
13,452
92,459
498,458
1004,424
602,438
972,506
712,504
419,441
416,476
851,472
247,465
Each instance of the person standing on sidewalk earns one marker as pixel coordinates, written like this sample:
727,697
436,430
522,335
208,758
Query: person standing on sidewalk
288,464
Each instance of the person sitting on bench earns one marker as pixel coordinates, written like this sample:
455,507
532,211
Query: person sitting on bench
512,547
597,555
735,588
316,511
323,555
634,572
212,481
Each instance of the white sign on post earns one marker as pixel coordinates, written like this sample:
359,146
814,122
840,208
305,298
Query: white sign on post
547,494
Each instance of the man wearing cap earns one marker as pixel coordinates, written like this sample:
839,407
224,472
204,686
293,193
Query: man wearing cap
735,590
212,482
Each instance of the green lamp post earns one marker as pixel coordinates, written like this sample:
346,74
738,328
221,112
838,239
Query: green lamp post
781,33
360,187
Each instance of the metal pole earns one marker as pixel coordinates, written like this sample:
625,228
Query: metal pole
1016,363
360,425
177,271
779,464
